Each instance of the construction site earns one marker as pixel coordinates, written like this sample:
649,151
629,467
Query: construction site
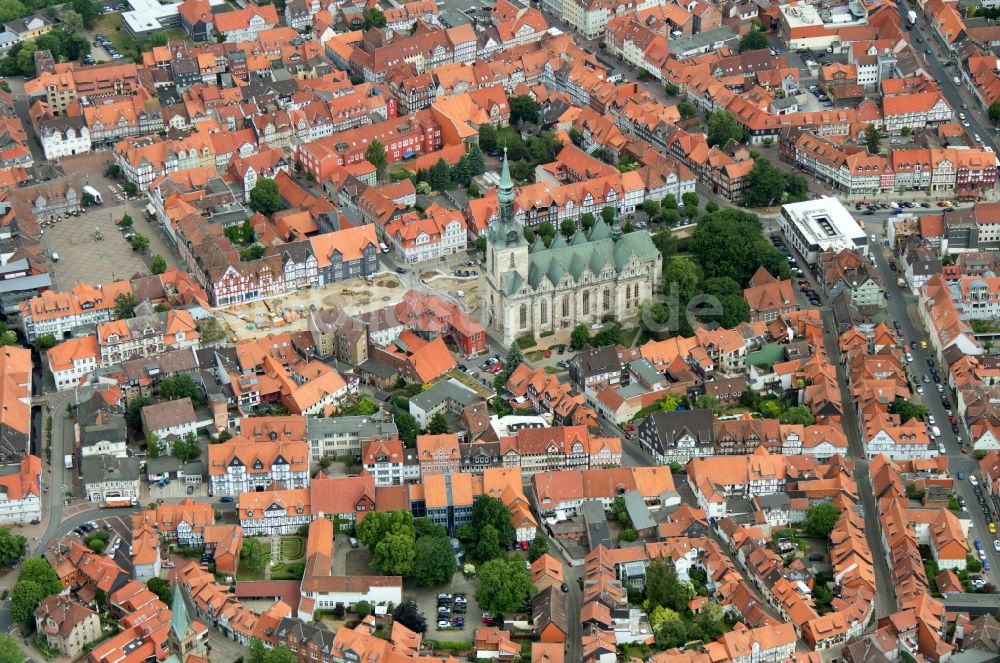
289,313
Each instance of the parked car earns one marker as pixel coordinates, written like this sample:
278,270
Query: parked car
458,622
443,624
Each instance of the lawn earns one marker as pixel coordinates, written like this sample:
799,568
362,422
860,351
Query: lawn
282,571
292,547
243,573
110,25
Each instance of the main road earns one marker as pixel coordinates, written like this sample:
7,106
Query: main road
902,307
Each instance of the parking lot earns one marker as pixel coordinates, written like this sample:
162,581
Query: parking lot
427,601
119,531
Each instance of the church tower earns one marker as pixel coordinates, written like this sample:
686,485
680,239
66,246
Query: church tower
183,636
506,248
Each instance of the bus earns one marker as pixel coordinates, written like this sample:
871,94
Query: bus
94,193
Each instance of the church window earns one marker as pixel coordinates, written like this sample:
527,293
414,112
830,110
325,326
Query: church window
586,303
512,260
524,316
545,312
565,311
607,299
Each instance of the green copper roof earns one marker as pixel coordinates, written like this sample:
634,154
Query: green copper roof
594,254
179,620
600,231
505,182
578,238
558,243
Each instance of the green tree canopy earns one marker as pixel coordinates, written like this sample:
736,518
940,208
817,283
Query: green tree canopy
180,386
374,18
158,264
753,41
394,554
524,109
10,652
488,510
39,571
766,184
24,598
663,588
722,128
161,588
375,154
505,586
264,197
872,139
376,526
580,336
993,112
539,546
408,614
730,243
488,545
125,306
12,546
255,554
433,561
438,424
821,519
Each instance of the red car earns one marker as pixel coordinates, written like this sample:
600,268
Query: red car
951,420
548,353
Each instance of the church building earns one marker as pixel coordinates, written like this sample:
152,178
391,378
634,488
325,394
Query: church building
584,279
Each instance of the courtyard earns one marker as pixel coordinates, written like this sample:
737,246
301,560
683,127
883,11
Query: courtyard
287,559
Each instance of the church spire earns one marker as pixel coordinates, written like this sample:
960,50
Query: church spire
179,620
505,196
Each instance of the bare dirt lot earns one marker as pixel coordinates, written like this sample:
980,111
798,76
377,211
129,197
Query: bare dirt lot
288,313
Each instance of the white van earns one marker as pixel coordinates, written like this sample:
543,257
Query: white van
55,257
383,247
935,432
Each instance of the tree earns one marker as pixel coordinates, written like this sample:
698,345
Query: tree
663,587
10,652
11,9
539,546
433,561
408,614
580,336
376,526
161,588
524,109
993,112
686,109
669,403
264,197
480,245
374,18
255,554
872,139
488,510
407,426
766,184
691,202
139,242
522,170
39,571
706,402
394,554
671,89
650,207
722,128
158,264
608,214
362,609
72,22
907,410
423,527
546,231
587,221
440,175
461,172
567,228
45,342
477,164
187,448
682,274
487,137
669,201
24,598
820,520
730,243
488,546
796,186
438,424
375,154
753,41
620,512
88,11
504,586
628,535
178,387
798,414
